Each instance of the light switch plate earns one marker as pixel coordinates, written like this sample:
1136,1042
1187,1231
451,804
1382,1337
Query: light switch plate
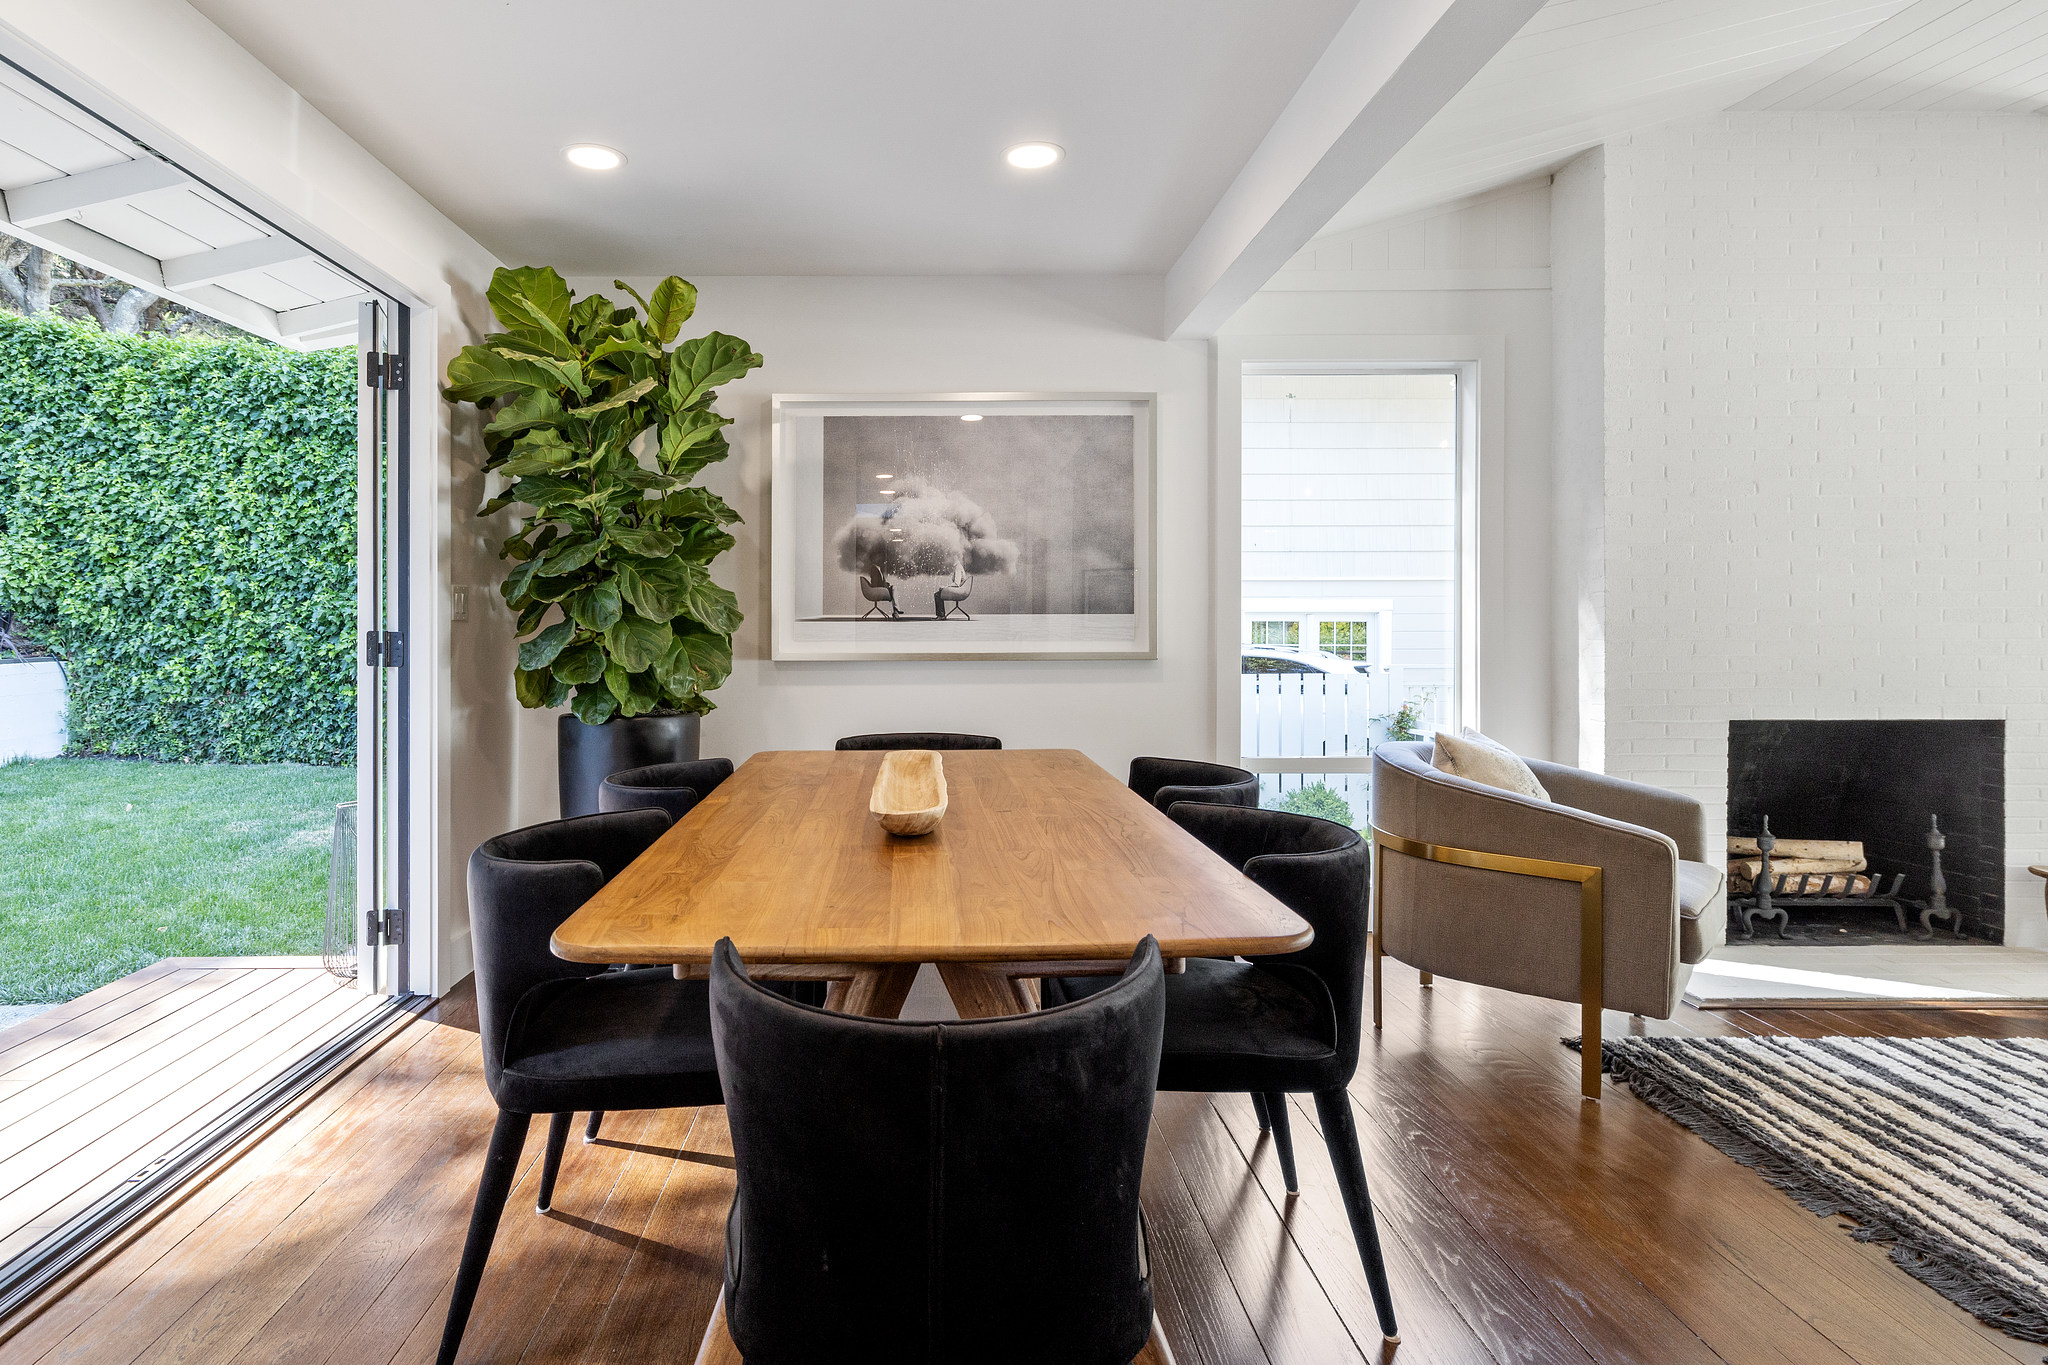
458,603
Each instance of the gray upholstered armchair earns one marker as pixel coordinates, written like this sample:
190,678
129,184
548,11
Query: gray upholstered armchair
1601,895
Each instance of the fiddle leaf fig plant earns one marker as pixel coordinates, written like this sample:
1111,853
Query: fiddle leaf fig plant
605,421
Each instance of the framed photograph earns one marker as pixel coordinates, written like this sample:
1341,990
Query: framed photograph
964,526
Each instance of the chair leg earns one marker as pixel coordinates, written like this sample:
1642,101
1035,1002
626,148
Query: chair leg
551,1165
1259,1108
590,1128
1283,1138
1340,1135
1589,1049
501,1164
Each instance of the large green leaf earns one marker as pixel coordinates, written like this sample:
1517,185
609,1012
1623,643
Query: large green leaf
698,502
590,319
651,594
596,608
618,682
536,345
570,554
634,642
479,372
524,413
697,367
688,434
710,605
537,459
696,662
594,705
531,687
530,298
650,541
518,581
619,400
568,373
543,648
582,663
701,542
669,307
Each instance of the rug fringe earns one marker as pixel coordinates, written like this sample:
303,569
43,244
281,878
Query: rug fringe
1952,1277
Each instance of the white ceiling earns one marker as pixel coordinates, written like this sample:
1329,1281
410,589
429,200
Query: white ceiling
1984,56
804,136
1583,71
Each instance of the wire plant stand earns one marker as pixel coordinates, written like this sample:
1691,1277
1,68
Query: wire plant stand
338,935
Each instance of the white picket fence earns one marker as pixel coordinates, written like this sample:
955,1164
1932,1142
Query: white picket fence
1329,715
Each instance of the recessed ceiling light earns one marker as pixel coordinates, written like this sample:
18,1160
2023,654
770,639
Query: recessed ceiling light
1033,156
970,417
592,157
885,476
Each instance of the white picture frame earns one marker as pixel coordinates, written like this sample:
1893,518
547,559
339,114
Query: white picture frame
1006,526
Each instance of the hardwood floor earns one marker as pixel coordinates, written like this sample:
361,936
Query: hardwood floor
1521,1224
95,1089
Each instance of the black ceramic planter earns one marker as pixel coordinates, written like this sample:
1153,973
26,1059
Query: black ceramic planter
591,753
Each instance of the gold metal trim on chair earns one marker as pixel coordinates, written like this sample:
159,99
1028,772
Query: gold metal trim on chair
1592,926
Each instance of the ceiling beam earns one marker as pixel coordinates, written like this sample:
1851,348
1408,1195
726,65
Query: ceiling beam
50,200
320,317
1392,65
210,267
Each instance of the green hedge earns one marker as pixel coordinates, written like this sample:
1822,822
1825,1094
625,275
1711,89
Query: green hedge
177,520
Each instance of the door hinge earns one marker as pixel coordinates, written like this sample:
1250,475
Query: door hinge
383,649
384,370
383,927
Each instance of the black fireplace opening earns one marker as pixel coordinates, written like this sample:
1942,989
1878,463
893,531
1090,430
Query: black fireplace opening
1883,784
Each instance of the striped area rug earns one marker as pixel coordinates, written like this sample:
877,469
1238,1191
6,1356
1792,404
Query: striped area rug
1937,1146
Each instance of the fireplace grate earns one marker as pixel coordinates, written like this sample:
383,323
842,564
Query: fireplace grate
1774,894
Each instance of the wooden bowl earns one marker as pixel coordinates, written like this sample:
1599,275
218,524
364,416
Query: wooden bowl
910,792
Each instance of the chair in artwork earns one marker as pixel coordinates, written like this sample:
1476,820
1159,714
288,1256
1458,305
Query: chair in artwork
880,593
948,598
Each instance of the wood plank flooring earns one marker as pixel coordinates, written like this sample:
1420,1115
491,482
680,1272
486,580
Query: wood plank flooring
1521,1224
97,1088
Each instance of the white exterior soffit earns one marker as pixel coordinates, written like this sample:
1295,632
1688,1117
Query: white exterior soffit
74,185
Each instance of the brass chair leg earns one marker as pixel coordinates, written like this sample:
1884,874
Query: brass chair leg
1429,978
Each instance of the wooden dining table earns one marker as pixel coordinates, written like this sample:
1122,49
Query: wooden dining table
1044,865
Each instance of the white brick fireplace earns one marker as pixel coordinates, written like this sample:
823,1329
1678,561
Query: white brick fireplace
1824,397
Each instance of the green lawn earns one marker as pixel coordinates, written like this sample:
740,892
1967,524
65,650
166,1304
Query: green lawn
107,865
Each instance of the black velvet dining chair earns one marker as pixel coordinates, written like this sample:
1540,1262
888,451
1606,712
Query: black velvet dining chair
1163,781
673,787
1284,1024
895,1177
559,1037
934,739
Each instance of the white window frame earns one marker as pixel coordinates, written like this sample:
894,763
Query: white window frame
1472,359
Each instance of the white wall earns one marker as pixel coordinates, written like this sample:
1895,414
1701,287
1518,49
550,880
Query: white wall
1473,277
159,70
1578,303
1827,440
837,334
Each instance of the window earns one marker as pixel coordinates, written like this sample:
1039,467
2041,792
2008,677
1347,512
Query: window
1346,639
1352,539
1287,633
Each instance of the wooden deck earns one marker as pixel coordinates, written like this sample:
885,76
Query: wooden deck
1522,1225
94,1090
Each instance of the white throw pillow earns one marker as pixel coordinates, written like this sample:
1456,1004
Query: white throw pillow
1476,758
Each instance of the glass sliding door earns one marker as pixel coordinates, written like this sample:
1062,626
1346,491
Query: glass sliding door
1354,506
383,663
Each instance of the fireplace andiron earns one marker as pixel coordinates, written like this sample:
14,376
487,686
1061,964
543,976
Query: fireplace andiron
1773,893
